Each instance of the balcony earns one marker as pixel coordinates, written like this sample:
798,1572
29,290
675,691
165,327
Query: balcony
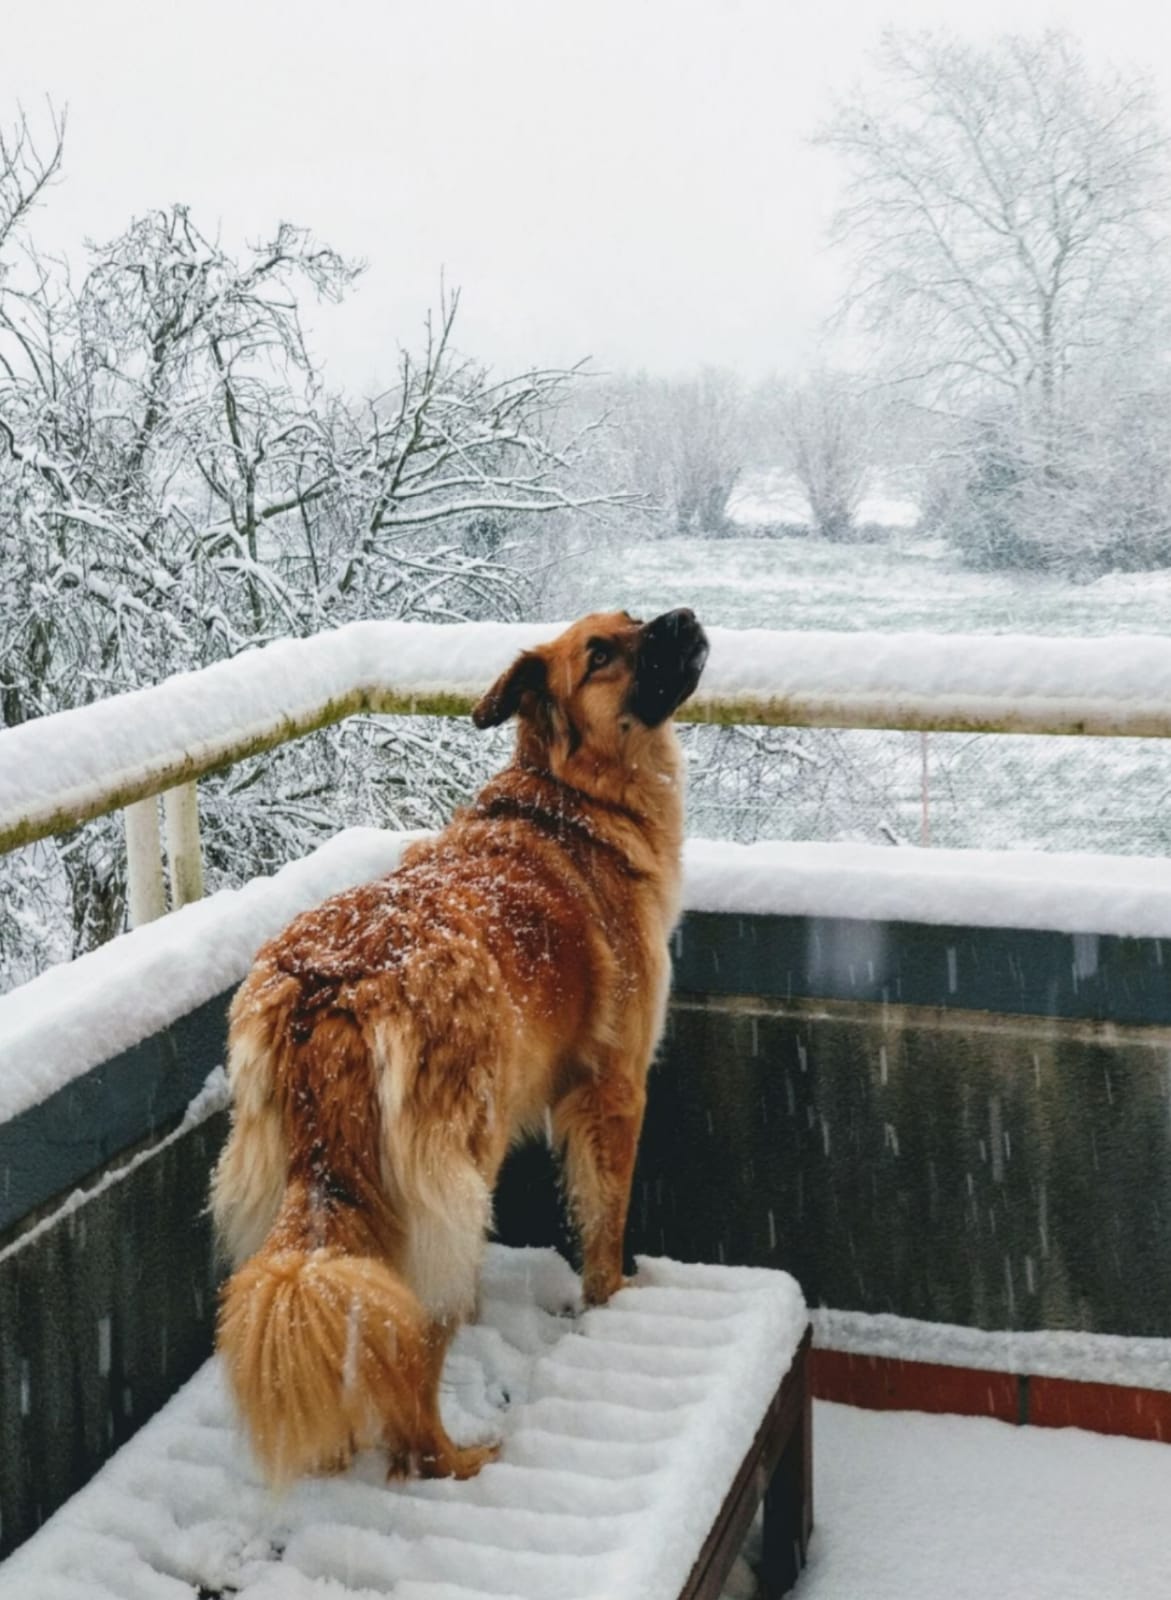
932,1085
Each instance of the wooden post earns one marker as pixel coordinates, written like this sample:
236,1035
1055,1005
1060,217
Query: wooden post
184,853
145,896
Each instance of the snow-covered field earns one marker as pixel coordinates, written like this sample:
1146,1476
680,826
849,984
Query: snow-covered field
983,790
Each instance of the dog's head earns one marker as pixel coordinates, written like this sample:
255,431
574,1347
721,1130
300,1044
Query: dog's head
601,696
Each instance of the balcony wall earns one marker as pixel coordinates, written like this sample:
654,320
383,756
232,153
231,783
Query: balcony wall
967,1125
959,1125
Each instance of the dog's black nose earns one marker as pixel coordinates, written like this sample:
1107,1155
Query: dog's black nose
674,627
673,632
671,657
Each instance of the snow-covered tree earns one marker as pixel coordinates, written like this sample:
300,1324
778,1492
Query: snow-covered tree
684,444
177,483
1005,213
822,430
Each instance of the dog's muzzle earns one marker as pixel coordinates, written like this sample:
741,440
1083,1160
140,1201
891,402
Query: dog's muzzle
671,657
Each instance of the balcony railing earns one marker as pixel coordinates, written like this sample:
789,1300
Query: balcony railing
121,753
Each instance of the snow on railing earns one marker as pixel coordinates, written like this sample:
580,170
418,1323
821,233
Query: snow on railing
62,770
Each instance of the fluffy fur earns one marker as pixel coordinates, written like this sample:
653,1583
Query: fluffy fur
389,1046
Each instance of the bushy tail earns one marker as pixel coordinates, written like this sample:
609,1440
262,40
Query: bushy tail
327,1349
327,1354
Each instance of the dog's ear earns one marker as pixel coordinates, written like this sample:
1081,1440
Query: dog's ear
527,675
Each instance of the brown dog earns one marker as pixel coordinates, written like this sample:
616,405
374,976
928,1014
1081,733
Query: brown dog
388,1047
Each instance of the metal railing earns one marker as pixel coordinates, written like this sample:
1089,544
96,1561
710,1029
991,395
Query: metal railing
121,753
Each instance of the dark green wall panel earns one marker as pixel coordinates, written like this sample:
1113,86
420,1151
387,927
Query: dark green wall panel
49,1149
1021,971
1003,1173
103,1314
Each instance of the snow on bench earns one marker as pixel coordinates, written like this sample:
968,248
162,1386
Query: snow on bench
623,1430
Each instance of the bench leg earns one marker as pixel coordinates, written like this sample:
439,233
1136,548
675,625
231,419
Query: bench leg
788,1512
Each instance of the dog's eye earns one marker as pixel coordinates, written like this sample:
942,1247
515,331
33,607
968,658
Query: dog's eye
600,656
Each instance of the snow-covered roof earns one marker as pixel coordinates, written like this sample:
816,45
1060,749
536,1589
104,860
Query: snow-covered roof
622,1430
914,1507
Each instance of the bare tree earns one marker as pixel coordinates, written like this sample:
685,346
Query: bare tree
821,429
685,444
1005,211
176,483
28,165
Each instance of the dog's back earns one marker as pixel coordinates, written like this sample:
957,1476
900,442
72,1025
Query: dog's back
383,1053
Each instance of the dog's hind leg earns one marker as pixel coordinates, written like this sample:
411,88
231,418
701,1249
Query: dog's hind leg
598,1123
440,1456
447,1208
249,1180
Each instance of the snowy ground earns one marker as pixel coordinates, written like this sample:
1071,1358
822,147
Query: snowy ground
913,1507
996,792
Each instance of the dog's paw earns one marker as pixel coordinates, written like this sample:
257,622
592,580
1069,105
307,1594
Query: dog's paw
447,1461
457,1461
597,1291
467,1462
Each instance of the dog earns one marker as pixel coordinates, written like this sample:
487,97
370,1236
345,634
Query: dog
388,1047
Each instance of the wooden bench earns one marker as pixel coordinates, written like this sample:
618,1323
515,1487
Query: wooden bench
638,1441
778,1471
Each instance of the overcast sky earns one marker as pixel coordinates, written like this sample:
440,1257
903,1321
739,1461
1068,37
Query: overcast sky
628,181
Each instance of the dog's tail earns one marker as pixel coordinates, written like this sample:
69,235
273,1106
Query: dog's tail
327,1349
326,1353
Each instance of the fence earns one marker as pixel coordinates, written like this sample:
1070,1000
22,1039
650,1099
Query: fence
123,752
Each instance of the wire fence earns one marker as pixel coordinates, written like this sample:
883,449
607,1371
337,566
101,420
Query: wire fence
961,791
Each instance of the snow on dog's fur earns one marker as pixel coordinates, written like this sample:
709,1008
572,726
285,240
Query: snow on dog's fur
388,1047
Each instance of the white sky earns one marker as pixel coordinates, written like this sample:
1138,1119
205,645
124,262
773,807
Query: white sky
622,179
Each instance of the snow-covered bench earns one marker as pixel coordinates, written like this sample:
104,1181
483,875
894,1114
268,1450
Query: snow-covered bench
638,1441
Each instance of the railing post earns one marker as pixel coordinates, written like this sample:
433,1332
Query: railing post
184,853
144,862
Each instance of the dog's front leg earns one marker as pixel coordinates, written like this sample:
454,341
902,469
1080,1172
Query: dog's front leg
598,1123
